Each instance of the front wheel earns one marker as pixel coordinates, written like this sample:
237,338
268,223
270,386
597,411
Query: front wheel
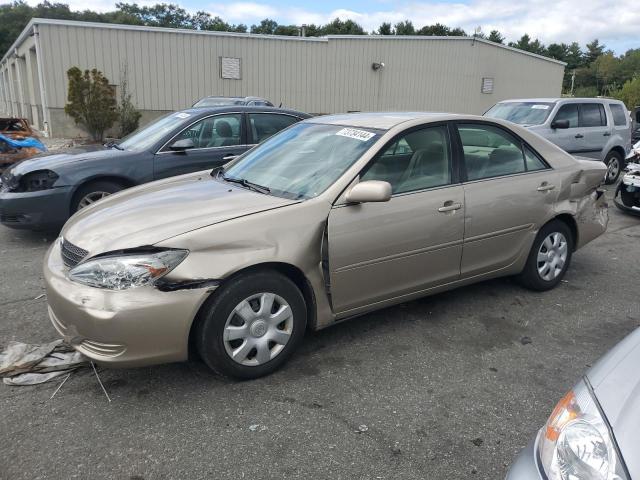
252,325
614,163
549,258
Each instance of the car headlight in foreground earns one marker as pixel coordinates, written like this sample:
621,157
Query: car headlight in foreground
121,272
576,443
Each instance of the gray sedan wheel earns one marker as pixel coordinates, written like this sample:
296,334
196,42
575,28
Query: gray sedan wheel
92,192
91,198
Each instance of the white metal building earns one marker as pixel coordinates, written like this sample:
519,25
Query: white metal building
170,69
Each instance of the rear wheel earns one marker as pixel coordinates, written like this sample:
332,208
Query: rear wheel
92,192
549,258
614,164
252,325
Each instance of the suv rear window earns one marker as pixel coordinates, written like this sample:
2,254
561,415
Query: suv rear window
619,114
592,115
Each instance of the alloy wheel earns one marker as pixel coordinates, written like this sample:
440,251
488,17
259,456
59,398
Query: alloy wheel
91,198
613,169
258,329
552,256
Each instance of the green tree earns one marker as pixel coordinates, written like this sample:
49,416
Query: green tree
339,27
91,101
558,51
405,28
594,50
385,29
496,37
630,93
525,43
128,115
436,30
267,27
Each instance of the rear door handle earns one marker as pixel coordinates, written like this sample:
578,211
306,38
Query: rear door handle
579,135
229,157
545,187
607,134
450,206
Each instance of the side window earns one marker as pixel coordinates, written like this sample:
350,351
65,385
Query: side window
490,151
217,131
592,115
263,125
569,112
532,160
619,115
418,160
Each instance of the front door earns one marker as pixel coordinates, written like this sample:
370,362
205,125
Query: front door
508,193
379,251
570,139
216,140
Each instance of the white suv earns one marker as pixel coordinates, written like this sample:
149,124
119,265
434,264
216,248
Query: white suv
596,128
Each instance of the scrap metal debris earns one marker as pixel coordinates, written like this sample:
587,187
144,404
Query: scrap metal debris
31,364
17,141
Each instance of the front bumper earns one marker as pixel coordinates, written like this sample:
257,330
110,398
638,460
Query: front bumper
41,210
525,466
137,327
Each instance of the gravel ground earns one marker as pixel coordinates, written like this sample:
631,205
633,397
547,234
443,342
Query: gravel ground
450,386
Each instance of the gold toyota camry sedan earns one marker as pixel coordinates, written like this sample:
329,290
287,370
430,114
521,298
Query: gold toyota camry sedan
333,217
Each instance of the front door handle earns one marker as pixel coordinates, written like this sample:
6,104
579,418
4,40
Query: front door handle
545,187
579,135
450,206
229,157
607,134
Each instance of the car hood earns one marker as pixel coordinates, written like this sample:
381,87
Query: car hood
156,211
616,383
53,161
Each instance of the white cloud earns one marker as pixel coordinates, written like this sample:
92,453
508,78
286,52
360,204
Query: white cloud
244,12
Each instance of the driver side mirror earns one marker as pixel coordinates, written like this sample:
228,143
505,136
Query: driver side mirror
560,124
369,191
182,145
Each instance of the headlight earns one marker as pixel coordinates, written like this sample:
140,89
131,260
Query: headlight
38,180
575,444
128,270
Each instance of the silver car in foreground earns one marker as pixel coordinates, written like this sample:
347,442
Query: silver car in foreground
592,433
596,128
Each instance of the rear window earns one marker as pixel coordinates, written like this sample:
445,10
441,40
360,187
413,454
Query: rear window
592,115
619,115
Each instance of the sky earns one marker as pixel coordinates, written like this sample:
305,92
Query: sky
614,23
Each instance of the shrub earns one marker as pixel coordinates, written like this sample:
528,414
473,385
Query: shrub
91,101
128,115
630,93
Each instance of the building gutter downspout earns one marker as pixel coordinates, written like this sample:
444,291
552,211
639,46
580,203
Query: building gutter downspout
46,120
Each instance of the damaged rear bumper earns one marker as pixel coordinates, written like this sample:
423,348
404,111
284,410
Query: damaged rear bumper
127,328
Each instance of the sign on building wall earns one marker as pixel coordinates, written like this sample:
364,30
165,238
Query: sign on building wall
230,68
487,85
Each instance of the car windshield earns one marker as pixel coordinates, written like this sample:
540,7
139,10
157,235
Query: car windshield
219,102
303,160
147,136
522,113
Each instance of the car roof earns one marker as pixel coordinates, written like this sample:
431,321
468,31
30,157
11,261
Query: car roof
204,111
560,99
387,120
232,97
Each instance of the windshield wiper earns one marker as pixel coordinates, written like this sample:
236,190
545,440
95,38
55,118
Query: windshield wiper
246,183
114,145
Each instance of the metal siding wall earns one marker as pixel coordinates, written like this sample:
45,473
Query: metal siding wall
171,70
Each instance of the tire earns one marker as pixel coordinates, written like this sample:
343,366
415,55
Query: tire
535,275
615,165
98,189
219,323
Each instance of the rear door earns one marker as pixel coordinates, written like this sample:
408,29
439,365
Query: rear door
509,191
216,140
379,251
595,129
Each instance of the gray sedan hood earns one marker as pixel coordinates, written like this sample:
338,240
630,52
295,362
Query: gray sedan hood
53,161
616,382
153,212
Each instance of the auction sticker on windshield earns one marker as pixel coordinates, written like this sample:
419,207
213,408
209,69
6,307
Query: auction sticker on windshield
361,135
541,107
